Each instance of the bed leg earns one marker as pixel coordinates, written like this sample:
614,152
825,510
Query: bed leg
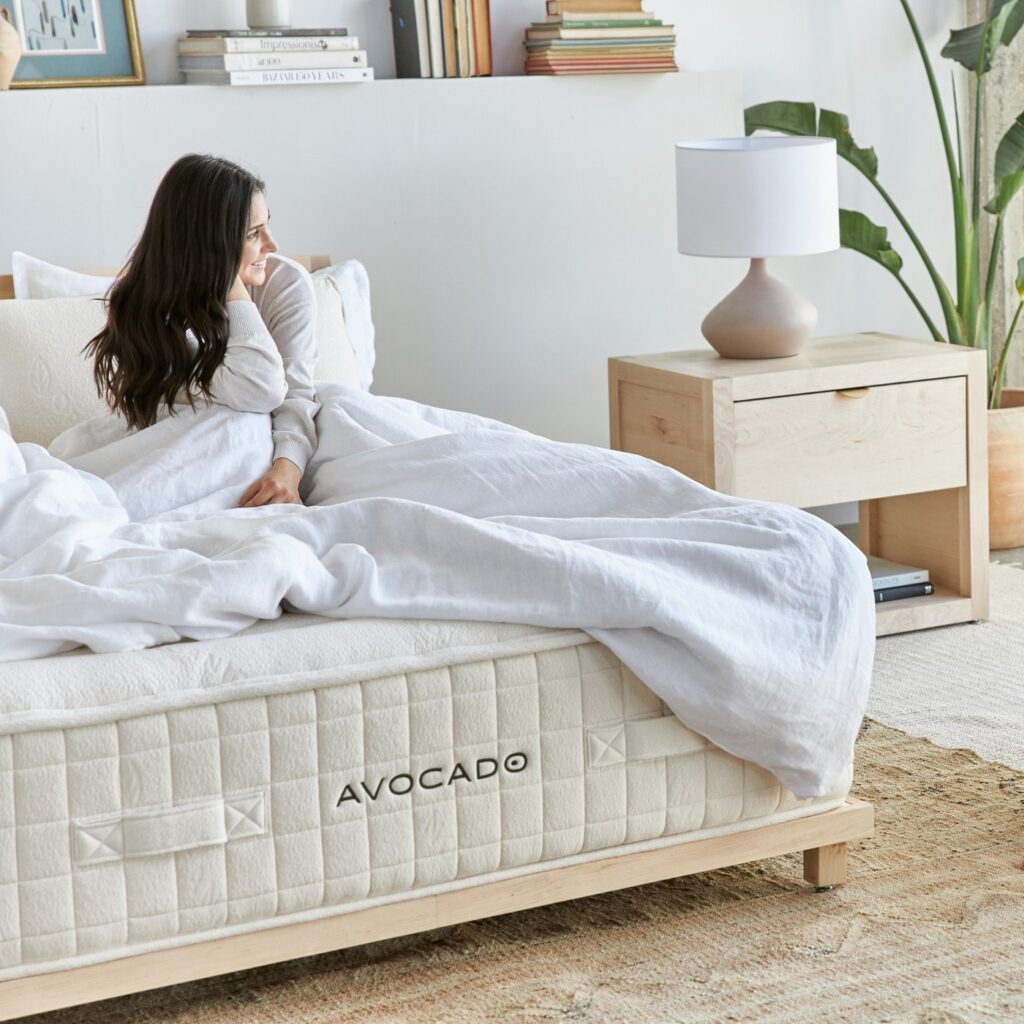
825,866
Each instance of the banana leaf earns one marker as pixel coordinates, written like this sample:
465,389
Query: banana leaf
857,232
975,46
833,125
1009,169
999,374
802,119
781,116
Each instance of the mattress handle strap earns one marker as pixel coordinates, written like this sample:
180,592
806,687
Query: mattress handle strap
641,739
159,831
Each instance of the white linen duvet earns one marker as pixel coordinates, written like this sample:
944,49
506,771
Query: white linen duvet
754,622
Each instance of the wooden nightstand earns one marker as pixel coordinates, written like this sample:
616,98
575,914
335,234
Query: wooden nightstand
897,425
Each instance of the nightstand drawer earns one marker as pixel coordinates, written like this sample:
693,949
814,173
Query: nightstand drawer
833,446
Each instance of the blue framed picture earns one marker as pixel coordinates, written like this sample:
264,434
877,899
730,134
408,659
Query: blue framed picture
76,42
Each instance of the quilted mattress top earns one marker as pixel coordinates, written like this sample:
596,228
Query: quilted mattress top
294,651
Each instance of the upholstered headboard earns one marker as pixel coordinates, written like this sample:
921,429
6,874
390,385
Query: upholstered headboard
46,383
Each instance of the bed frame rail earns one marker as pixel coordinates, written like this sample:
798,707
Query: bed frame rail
822,837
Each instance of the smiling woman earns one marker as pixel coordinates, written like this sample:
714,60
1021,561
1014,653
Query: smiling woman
204,314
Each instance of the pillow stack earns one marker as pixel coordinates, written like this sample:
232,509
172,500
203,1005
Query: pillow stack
46,382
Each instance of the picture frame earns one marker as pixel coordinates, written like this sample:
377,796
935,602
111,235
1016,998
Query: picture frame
74,43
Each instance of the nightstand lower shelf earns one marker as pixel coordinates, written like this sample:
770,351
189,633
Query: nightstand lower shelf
943,608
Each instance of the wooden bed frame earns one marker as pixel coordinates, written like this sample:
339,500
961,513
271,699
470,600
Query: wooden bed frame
821,837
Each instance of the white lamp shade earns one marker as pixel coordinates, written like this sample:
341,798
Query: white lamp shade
757,197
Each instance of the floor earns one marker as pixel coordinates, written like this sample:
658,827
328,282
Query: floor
1011,556
961,686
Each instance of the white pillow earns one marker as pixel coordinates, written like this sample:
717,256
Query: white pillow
353,285
37,279
336,359
46,382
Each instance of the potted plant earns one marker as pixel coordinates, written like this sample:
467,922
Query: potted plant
966,309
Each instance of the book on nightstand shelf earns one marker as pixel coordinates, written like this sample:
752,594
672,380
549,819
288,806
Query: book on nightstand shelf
898,593
270,57
892,580
886,574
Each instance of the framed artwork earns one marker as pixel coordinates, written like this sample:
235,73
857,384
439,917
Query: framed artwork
76,42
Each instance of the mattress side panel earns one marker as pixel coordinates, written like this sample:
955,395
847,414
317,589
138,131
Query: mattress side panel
192,820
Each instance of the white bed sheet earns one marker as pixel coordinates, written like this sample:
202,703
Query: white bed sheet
754,622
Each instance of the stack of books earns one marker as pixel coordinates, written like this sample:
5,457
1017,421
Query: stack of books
599,37
293,56
442,38
892,581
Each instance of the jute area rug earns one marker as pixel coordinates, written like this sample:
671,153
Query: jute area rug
929,929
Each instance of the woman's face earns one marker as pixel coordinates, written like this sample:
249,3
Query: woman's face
258,243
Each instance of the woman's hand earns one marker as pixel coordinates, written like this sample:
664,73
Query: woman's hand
279,486
238,291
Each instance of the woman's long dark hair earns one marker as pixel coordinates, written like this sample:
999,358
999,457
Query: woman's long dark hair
177,279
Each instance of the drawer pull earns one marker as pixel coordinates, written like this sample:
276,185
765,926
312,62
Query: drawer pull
853,393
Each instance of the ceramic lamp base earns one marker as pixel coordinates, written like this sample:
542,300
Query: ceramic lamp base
761,318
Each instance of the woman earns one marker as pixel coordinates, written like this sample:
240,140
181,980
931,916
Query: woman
206,313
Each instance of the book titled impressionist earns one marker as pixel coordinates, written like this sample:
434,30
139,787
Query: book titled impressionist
212,45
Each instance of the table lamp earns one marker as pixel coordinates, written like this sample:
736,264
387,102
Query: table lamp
754,198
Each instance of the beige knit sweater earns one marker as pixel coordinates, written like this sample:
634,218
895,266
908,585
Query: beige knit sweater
287,303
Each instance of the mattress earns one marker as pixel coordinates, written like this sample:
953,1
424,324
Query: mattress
306,768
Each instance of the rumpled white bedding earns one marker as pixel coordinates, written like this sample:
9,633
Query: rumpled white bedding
754,622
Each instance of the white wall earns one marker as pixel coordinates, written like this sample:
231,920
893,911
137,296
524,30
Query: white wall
517,231
856,56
